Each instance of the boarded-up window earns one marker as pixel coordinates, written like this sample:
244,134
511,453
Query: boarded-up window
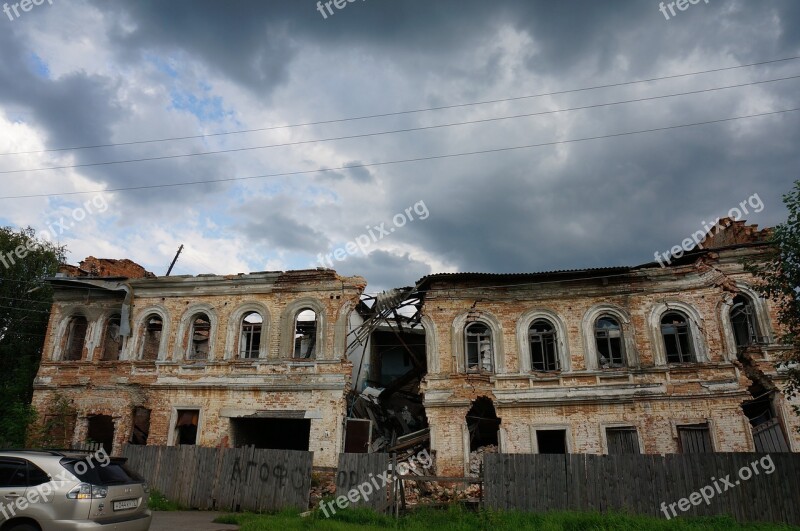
76,338
151,337
186,426
695,439
622,441
112,340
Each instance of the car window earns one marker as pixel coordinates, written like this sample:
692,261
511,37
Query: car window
36,476
12,473
114,473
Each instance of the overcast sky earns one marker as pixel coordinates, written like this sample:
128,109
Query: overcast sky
79,73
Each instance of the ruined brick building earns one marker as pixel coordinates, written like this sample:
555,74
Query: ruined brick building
643,359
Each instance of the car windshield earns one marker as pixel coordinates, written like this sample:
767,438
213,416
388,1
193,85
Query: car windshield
113,473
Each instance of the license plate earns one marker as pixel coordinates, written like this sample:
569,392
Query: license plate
125,504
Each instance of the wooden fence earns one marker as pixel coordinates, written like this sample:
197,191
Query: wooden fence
640,483
229,479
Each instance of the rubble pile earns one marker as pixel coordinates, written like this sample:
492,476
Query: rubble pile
476,458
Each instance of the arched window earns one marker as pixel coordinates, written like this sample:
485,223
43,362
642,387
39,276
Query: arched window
610,347
544,353
250,335
199,335
478,348
677,338
743,322
112,340
151,337
76,338
305,334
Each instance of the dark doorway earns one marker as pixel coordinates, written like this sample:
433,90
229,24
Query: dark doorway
483,424
274,434
101,430
552,441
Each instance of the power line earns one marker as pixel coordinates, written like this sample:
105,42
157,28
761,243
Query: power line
391,132
411,111
402,161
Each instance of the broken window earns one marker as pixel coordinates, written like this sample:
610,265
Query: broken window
479,348
768,434
544,354
694,438
141,426
743,321
186,426
199,335
112,340
305,334
622,440
551,441
101,430
76,338
608,336
250,336
677,338
151,337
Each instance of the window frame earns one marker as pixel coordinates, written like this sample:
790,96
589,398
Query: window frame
687,332
246,336
482,338
547,337
608,339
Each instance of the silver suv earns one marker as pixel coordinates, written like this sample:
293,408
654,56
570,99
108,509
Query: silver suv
52,490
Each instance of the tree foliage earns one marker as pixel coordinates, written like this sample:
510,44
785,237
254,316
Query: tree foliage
24,312
779,273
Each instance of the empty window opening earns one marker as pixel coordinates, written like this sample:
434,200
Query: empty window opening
186,426
622,440
479,348
112,340
250,336
141,426
272,433
694,438
101,430
483,423
608,336
677,338
305,334
743,321
551,441
200,334
544,355
151,340
76,338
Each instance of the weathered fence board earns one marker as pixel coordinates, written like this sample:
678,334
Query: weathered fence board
747,486
226,478
359,469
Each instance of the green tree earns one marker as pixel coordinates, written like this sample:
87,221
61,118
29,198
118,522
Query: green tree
779,272
24,312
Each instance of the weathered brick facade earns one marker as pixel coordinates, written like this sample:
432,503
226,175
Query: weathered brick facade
648,392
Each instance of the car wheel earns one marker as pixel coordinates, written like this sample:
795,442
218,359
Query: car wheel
23,527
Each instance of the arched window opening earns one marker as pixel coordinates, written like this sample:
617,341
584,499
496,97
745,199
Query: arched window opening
151,337
76,338
200,335
305,334
112,340
479,348
677,338
610,348
544,353
250,335
743,321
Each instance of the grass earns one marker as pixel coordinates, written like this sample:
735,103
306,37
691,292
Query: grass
159,502
457,519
